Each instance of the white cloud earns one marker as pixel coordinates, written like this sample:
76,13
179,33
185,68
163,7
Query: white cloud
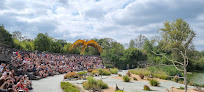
121,20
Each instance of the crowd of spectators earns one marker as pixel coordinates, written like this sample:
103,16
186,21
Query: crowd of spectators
42,65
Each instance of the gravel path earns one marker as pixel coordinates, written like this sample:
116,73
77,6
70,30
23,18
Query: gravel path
49,84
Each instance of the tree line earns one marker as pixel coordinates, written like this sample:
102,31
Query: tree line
170,40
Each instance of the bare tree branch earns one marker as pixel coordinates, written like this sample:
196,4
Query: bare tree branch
171,61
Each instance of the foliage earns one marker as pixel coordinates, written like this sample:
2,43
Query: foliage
68,87
146,88
71,75
101,84
103,72
92,83
119,91
160,74
126,78
154,82
6,37
82,73
93,72
114,71
138,71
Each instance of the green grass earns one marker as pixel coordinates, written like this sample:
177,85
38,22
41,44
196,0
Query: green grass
68,87
140,71
114,71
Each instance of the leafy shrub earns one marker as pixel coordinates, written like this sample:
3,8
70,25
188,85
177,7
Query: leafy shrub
82,73
92,83
126,78
153,82
141,76
103,72
114,71
170,70
86,85
93,72
128,74
71,75
134,78
68,87
119,75
101,84
146,88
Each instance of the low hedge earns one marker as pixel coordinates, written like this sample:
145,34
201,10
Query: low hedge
114,71
103,72
68,87
126,78
82,73
93,83
71,75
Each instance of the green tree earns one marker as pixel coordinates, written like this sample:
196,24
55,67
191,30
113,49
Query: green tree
6,37
42,42
177,38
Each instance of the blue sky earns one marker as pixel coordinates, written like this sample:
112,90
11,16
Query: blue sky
121,20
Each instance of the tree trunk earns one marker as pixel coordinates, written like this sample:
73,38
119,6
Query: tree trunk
185,75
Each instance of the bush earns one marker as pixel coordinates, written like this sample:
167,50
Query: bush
101,84
103,72
153,82
86,85
82,73
71,75
114,71
93,72
134,78
126,78
141,76
92,83
119,75
146,88
68,87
